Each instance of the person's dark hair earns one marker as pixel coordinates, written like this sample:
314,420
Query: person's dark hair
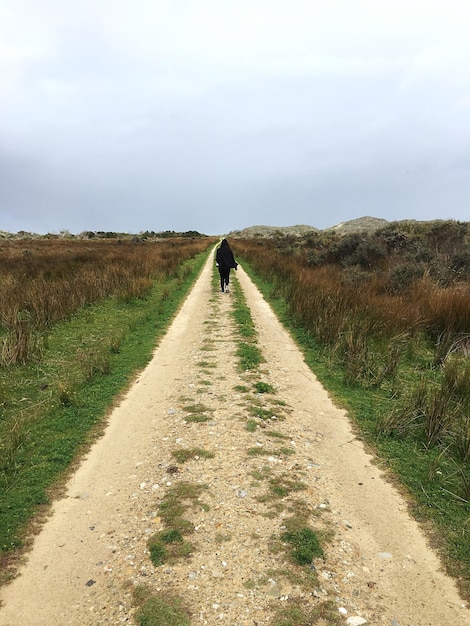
224,242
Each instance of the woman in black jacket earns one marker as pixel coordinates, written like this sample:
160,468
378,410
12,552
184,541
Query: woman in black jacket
225,261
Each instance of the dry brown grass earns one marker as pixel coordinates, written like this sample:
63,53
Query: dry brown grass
45,281
328,299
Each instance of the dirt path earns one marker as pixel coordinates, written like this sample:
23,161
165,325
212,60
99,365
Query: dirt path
377,566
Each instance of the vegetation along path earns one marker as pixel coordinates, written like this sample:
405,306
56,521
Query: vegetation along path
228,488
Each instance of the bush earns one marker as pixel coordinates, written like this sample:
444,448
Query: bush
403,276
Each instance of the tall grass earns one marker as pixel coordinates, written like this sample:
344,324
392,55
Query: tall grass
45,281
329,300
371,331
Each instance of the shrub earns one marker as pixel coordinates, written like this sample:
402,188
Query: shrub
402,277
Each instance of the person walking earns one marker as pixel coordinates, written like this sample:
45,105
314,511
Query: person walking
225,260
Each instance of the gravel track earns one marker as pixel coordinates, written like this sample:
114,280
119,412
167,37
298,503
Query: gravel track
92,550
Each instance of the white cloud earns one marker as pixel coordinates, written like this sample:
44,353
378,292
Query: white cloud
463,103
273,105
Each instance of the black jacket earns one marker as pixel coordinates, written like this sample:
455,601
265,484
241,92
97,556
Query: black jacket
224,256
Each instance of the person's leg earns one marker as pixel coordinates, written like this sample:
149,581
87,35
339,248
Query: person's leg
222,280
227,279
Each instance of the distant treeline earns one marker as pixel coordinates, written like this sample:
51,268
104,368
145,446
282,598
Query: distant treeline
101,234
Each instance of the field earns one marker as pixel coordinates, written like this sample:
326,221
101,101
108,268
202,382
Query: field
384,320
78,318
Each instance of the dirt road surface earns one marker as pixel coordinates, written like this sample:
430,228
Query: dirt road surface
92,551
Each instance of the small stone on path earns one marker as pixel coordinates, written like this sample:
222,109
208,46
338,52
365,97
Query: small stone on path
355,620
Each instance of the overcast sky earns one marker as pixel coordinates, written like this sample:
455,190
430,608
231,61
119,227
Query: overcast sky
214,115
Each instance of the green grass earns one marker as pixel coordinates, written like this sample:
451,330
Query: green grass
276,434
261,474
279,486
197,413
248,353
53,410
304,545
195,408
261,413
206,364
260,451
242,388
298,612
251,425
197,418
183,455
208,346
159,609
242,315
169,545
262,387
283,485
